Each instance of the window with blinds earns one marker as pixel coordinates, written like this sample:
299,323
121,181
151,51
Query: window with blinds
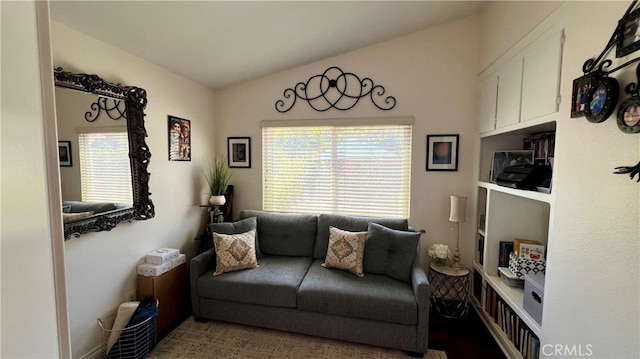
105,167
337,166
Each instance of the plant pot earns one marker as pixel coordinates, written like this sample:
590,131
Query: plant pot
219,200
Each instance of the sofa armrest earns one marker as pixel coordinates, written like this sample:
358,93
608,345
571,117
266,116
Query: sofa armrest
198,266
422,292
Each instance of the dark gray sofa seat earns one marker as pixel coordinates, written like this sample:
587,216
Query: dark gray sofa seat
274,282
374,296
291,291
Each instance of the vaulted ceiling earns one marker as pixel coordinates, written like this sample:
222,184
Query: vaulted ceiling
221,43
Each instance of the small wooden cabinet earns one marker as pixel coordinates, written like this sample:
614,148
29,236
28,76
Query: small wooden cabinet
171,289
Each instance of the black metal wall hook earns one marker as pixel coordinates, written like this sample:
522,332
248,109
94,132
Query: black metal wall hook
631,170
337,89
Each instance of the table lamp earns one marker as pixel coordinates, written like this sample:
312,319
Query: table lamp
457,216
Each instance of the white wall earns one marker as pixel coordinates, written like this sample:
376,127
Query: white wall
592,289
432,76
28,306
101,267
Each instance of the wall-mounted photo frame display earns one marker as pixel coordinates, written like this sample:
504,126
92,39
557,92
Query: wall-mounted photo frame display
581,88
442,152
239,152
629,115
602,98
504,159
64,153
179,139
628,34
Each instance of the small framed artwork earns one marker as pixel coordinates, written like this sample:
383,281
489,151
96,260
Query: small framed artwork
64,153
239,152
504,159
179,139
602,98
629,115
628,34
581,88
442,152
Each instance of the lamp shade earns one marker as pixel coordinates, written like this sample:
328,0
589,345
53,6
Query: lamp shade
458,209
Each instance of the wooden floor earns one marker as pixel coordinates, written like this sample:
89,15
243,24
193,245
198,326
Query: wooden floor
465,338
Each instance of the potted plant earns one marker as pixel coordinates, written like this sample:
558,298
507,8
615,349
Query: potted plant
218,177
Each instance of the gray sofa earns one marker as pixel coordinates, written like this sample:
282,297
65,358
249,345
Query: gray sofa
291,291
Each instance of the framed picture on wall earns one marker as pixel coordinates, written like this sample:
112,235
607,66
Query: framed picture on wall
239,152
442,152
628,34
64,153
581,88
179,139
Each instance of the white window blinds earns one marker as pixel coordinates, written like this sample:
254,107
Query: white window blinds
348,169
105,167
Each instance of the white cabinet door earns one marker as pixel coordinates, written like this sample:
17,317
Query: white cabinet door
541,80
488,98
509,91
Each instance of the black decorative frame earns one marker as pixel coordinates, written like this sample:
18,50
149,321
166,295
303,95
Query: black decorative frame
239,152
65,159
337,89
628,34
135,100
602,98
628,118
451,145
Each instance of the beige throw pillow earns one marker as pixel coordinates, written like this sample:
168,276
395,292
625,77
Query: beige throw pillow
345,251
235,252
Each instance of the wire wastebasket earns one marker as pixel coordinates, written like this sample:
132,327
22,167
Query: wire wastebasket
132,342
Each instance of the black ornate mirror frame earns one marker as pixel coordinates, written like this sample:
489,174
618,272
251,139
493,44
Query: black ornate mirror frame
135,99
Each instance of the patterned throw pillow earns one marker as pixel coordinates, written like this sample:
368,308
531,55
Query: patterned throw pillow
235,252
345,251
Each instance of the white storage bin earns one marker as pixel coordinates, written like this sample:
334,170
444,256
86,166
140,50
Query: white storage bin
534,295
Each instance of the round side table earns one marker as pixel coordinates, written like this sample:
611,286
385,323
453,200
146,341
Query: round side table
449,290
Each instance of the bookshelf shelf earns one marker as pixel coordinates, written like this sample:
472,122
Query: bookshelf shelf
501,338
514,298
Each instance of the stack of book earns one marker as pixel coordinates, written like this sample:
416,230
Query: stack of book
523,339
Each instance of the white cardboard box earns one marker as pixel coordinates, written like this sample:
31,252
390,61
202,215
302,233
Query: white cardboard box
162,255
153,270
182,258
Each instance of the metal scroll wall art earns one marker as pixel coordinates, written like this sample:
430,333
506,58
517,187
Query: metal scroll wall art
337,89
113,108
595,94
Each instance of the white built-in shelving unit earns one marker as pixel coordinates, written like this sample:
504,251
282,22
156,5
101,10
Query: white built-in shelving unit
519,97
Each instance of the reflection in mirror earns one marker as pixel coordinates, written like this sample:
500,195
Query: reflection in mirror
108,183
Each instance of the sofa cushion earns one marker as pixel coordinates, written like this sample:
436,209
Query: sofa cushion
235,252
285,234
241,226
373,297
349,223
97,207
390,252
346,251
73,217
274,283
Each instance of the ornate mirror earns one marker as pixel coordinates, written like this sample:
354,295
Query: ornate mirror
122,108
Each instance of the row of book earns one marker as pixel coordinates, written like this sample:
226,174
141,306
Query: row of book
523,339
542,145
